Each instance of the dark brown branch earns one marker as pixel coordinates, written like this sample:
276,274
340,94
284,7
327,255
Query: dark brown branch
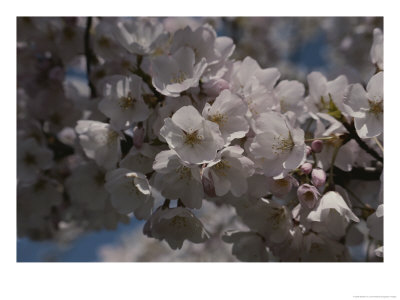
89,57
342,178
353,134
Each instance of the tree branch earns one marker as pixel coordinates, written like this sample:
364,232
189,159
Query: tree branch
353,134
89,57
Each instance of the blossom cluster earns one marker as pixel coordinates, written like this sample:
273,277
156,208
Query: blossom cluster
170,121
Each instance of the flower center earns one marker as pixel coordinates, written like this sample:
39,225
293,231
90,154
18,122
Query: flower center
218,118
284,106
179,222
184,172
192,138
277,216
282,144
111,136
178,77
375,107
221,168
127,102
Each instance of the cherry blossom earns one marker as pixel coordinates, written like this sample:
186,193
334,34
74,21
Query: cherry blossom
177,73
178,180
194,139
123,102
277,145
367,106
229,172
175,225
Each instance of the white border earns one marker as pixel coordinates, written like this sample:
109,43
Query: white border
212,280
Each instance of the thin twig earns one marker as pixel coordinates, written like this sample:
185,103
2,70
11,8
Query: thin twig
88,55
334,155
325,138
378,143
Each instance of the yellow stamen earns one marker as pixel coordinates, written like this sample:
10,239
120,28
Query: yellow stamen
218,118
221,168
127,102
192,138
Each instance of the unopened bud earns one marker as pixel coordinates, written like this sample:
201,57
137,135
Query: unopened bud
318,177
317,145
308,195
308,150
306,168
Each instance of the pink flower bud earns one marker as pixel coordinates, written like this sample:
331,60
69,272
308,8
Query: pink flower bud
308,195
214,87
318,177
306,168
317,145
138,137
308,150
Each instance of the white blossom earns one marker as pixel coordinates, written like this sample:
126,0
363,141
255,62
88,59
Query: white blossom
140,36
100,142
331,216
177,73
290,95
367,106
175,225
229,172
277,146
129,192
247,246
123,102
194,139
323,94
204,43
228,111
178,180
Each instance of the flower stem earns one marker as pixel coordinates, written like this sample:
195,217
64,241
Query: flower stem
378,143
325,138
335,152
